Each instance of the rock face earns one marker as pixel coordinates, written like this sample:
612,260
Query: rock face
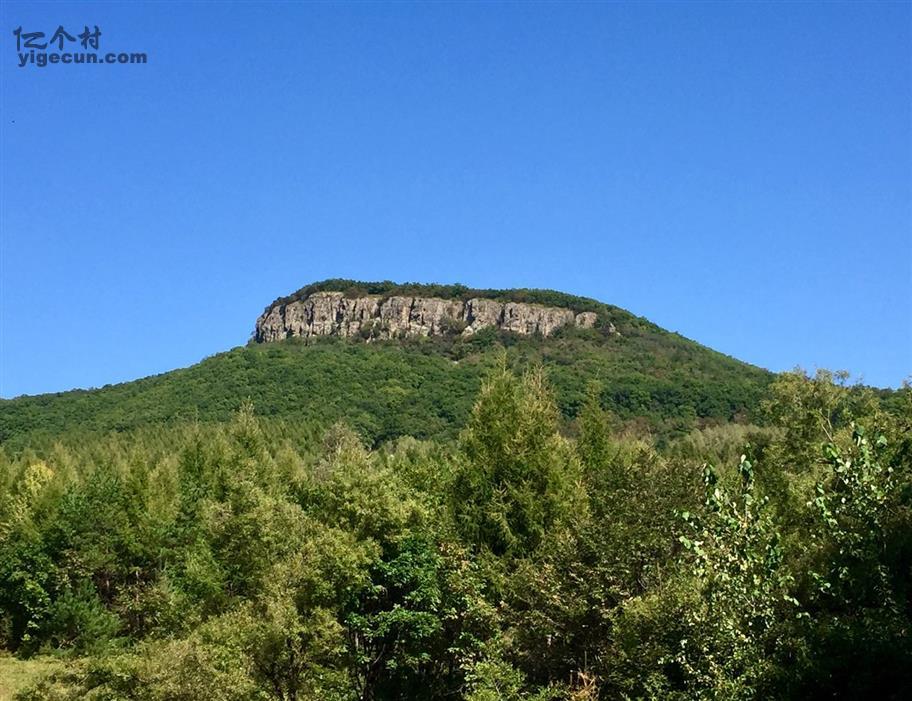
334,314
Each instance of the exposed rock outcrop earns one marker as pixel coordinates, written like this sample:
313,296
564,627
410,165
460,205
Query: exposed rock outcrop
334,314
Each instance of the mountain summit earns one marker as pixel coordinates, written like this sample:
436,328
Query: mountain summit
330,313
389,310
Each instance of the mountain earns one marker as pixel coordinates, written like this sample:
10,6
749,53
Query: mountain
396,359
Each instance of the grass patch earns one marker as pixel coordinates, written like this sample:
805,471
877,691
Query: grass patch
17,675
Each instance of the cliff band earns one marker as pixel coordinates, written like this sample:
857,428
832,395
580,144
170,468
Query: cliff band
334,314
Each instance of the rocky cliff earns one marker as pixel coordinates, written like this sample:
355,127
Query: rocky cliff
334,314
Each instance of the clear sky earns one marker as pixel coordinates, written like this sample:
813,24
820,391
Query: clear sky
739,173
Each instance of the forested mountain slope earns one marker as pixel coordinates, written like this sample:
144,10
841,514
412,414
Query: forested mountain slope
419,386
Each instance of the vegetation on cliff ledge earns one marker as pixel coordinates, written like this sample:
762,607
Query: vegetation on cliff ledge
549,298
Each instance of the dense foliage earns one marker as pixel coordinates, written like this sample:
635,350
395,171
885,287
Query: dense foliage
525,558
418,387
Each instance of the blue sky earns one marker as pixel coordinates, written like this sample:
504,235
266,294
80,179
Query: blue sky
739,173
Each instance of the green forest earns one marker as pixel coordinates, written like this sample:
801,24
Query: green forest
508,524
